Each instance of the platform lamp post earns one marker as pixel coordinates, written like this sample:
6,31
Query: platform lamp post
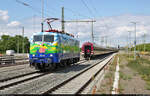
144,36
135,40
129,43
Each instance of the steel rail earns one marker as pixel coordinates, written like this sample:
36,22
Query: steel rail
21,81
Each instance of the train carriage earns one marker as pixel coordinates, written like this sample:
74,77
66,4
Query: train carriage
90,50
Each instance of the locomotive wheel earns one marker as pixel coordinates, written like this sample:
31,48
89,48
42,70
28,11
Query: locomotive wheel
74,60
63,64
78,59
52,67
70,61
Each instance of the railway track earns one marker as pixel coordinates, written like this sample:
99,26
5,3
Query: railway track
19,80
8,82
77,83
15,77
8,69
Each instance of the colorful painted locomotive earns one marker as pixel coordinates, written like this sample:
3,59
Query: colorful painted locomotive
52,48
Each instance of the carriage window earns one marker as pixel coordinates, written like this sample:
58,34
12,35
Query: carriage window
49,38
37,38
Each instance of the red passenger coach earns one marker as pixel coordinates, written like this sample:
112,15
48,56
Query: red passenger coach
90,50
87,49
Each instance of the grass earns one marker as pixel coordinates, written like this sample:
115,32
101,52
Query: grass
124,76
112,68
121,88
109,77
142,66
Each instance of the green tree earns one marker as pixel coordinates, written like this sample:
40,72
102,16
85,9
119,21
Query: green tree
11,43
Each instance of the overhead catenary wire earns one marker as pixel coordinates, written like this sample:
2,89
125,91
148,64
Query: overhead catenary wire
33,8
90,11
76,13
94,8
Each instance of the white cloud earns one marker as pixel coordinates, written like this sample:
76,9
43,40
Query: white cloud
13,24
4,15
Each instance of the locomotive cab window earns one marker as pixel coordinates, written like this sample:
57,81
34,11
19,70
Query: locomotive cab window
37,38
49,38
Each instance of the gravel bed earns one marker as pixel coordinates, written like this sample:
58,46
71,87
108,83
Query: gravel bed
90,87
18,79
74,85
13,68
9,74
46,82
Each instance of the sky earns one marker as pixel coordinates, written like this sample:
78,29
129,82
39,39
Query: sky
113,19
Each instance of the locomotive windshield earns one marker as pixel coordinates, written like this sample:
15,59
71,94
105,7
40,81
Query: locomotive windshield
37,38
49,38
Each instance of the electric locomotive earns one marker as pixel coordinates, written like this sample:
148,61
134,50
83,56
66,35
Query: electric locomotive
51,48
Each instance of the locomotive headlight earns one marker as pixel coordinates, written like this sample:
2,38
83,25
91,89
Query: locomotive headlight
33,55
51,55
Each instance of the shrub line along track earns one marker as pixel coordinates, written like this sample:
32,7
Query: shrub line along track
57,87
26,79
